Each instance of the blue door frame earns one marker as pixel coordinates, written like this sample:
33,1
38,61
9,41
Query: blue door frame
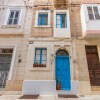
63,72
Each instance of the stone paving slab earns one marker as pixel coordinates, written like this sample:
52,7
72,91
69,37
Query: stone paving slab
9,97
70,99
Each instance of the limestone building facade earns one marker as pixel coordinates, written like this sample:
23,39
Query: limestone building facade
46,42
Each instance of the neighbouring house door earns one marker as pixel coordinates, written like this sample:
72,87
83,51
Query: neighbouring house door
5,61
63,71
93,65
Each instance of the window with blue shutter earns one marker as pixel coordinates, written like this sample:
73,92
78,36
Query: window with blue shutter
61,21
40,56
13,17
43,19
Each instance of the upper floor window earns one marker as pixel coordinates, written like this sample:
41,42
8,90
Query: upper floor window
43,19
13,17
61,21
40,57
93,13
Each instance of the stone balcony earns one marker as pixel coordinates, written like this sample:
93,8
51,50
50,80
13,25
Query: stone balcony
11,30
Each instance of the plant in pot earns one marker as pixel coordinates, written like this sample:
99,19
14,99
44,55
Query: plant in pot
58,85
35,64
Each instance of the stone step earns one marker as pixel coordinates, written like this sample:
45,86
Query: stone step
66,92
95,88
95,93
12,92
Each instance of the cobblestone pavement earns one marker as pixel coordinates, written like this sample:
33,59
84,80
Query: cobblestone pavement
16,97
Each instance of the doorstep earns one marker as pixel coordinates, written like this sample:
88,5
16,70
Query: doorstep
70,92
95,88
12,93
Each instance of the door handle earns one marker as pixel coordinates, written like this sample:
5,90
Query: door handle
66,69
58,69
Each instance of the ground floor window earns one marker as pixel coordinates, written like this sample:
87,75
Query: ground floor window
5,62
40,59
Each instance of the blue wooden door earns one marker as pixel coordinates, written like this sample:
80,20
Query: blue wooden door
63,72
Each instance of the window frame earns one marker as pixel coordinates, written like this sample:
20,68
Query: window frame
62,32
61,15
94,15
37,16
41,55
13,18
41,17
8,14
31,57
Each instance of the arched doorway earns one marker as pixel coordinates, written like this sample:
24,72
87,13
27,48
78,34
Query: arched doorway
63,69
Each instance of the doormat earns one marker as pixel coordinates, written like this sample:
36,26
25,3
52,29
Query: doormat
67,96
29,97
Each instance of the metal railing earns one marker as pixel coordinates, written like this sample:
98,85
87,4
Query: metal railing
3,78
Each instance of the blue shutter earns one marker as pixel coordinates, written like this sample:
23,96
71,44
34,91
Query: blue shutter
38,19
35,57
40,56
57,20
60,21
41,19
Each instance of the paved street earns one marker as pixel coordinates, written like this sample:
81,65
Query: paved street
16,97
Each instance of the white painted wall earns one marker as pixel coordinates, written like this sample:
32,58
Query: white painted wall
83,19
89,25
46,87
62,32
39,87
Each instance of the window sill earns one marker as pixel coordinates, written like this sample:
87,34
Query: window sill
11,26
40,69
43,26
61,28
95,20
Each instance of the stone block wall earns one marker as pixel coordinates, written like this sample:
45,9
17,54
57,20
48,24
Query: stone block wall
42,31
